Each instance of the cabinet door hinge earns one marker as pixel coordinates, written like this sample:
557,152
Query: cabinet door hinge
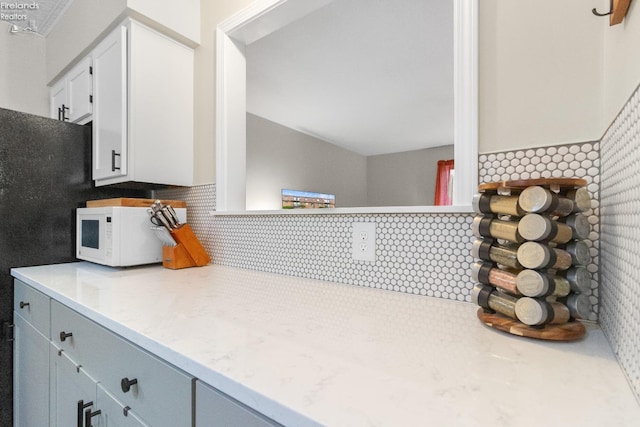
91,69
7,331
91,99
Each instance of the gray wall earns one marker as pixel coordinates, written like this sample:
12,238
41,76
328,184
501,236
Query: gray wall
22,72
404,179
279,157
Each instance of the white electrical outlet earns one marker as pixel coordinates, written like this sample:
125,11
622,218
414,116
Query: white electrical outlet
364,241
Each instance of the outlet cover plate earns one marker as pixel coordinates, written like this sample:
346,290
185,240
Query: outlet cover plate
364,241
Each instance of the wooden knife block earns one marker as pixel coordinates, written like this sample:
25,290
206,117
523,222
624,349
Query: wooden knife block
187,253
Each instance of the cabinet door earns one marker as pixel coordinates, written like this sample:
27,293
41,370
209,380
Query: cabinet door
72,391
30,375
58,100
114,413
160,108
110,106
214,408
79,90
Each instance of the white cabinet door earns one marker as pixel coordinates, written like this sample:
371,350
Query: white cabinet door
72,391
79,91
30,375
161,108
110,106
58,100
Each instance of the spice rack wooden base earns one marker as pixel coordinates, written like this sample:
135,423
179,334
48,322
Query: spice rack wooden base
516,186
570,331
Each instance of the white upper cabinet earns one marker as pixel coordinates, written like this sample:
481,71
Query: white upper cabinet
71,97
143,108
138,92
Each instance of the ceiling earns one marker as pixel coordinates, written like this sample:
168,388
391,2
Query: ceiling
40,20
372,76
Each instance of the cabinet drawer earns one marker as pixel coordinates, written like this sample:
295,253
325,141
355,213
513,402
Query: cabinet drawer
33,306
161,394
214,408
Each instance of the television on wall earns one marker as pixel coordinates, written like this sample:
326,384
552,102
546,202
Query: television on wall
298,199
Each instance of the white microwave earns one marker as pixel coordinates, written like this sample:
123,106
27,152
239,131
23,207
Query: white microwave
118,236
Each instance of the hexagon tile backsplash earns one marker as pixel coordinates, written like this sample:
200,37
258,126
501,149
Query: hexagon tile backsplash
620,239
420,254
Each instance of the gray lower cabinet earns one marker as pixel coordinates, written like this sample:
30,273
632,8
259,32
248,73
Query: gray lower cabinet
30,384
77,399
214,408
134,387
30,357
71,372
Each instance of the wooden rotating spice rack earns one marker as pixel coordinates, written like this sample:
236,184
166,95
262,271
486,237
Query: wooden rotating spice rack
531,275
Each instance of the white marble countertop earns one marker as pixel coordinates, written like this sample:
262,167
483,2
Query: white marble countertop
305,352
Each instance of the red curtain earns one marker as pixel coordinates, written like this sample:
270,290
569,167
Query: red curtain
443,180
